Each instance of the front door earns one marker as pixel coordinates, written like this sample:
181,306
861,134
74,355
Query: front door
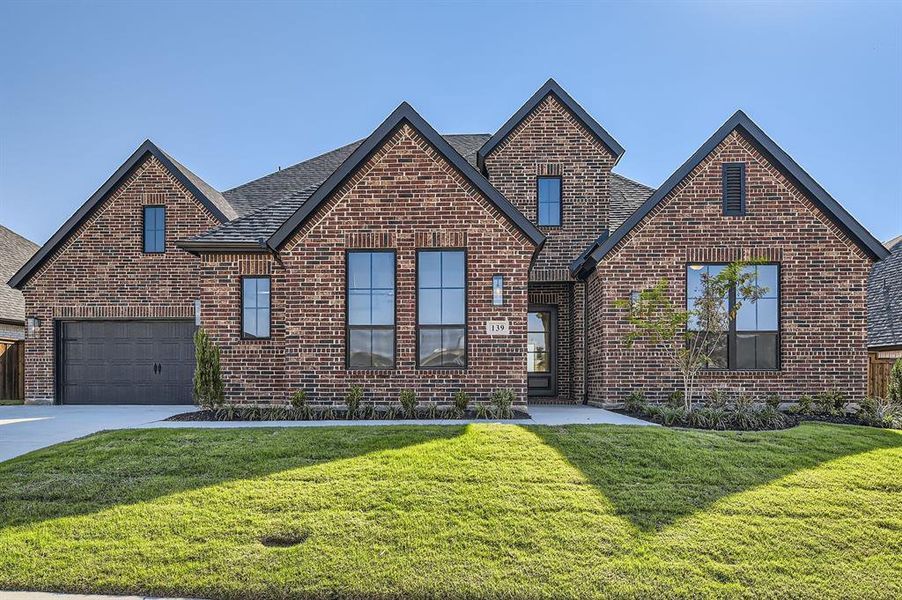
541,350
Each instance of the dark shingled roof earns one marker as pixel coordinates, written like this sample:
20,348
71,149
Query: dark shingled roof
885,299
268,202
286,182
14,252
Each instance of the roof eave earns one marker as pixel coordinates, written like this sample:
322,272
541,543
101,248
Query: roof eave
403,114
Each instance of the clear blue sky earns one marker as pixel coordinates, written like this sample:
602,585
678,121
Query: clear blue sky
235,90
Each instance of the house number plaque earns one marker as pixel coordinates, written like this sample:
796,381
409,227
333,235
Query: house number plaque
497,327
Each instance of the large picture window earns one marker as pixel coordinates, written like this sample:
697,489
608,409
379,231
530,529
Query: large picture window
255,307
371,310
441,309
753,338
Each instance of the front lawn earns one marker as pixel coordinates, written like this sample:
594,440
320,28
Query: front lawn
499,511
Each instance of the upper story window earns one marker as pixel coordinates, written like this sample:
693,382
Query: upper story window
733,188
255,307
441,309
155,229
549,192
753,337
370,297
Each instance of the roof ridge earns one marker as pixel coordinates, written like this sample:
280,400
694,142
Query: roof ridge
633,181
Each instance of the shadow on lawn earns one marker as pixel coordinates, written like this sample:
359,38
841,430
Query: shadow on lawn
125,467
654,476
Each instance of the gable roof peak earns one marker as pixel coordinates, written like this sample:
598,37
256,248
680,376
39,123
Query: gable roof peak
403,113
790,168
550,87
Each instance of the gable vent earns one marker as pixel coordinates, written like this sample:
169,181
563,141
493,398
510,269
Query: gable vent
734,188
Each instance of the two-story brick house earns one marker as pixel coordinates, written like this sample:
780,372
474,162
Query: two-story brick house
444,263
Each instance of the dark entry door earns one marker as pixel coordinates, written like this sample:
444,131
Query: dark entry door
126,362
541,350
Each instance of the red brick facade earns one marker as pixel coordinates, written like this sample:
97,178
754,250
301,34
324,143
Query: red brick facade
406,197
102,272
823,284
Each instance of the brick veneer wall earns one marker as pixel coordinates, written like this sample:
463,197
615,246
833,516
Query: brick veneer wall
405,197
823,284
101,271
550,141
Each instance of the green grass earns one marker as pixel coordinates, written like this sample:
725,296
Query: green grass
11,402
494,511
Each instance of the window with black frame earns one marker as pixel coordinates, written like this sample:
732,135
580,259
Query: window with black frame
154,229
549,201
255,307
753,337
441,309
371,310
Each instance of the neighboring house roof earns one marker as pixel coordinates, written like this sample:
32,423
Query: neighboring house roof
885,299
587,261
551,87
14,252
204,193
401,115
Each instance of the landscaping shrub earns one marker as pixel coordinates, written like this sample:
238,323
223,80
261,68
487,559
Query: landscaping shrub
773,400
880,412
708,417
744,415
430,411
502,401
676,399
353,399
408,399
635,402
208,387
298,399
672,415
717,398
771,418
461,401
805,405
895,383
482,411
830,402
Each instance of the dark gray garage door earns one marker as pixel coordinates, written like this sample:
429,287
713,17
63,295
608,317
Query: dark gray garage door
126,362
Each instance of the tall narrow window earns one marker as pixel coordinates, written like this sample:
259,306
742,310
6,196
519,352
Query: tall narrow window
255,307
549,191
441,312
733,188
155,229
753,338
371,310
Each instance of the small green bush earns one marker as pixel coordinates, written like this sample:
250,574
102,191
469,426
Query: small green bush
430,411
744,415
502,401
461,401
298,400
830,402
676,399
353,399
717,398
408,399
880,412
894,393
708,417
208,387
771,418
773,400
635,402
805,404
482,411
673,415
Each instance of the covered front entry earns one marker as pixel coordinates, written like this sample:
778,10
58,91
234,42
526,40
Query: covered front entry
541,350
125,362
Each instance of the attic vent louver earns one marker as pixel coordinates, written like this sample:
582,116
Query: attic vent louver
734,188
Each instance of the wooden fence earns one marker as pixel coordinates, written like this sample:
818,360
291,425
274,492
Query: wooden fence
878,375
12,371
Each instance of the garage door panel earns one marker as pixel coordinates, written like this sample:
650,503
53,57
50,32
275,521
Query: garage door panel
113,362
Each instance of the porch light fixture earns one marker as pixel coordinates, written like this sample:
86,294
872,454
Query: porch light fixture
696,267
498,290
31,325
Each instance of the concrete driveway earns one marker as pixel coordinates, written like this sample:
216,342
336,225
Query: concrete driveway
27,428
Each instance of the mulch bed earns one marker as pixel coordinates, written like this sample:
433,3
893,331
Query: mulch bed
281,414
791,420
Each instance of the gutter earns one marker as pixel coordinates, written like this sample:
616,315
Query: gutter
196,248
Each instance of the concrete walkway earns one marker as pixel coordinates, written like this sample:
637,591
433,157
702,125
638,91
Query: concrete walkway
27,428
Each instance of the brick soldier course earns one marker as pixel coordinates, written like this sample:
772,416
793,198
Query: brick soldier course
406,189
